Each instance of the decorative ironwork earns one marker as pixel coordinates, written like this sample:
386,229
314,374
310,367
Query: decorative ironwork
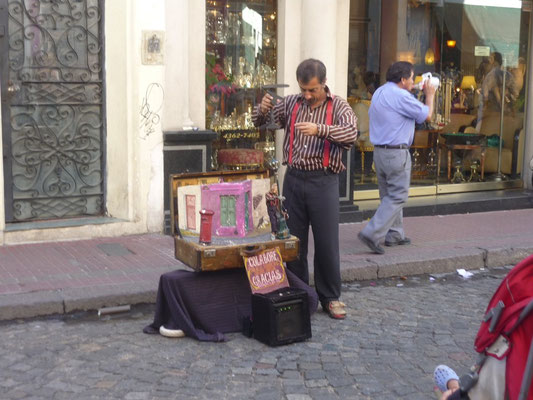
56,116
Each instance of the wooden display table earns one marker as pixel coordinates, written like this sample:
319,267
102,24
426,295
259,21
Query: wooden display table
363,149
425,140
451,147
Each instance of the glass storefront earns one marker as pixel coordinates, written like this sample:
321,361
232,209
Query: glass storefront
240,61
479,50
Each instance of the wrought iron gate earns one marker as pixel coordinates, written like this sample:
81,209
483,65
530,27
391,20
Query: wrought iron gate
52,108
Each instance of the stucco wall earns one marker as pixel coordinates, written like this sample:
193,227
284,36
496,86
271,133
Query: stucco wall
134,155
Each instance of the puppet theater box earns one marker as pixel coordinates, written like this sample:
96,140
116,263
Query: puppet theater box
240,224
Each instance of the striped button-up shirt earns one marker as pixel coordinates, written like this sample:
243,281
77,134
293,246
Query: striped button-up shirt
308,151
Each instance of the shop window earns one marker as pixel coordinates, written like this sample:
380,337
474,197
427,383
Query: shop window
240,60
479,52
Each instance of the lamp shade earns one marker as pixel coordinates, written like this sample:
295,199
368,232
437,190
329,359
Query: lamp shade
429,57
468,82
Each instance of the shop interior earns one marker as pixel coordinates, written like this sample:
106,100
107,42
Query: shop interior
478,50
240,64
476,138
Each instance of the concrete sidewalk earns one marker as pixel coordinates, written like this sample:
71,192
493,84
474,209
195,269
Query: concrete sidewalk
61,277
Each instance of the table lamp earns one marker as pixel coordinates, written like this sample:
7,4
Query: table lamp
468,82
468,85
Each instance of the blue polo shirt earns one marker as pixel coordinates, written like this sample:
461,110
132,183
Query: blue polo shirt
393,112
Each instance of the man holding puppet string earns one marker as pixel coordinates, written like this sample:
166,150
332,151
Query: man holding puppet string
318,127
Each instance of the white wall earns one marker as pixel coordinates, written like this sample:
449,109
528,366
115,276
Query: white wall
312,29
134,162
2,201
150,16
185,66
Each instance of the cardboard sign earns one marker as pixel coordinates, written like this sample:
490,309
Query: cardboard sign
265,271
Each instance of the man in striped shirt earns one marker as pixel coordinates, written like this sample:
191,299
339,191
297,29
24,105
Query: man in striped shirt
318,127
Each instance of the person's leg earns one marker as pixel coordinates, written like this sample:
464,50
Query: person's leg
298,222
443,375
322,198
394,167
396,232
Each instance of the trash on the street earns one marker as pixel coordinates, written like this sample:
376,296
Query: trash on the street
464,273
431,279
113,310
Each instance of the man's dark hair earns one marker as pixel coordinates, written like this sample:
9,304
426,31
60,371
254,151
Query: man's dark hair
309,69
498,57
399,70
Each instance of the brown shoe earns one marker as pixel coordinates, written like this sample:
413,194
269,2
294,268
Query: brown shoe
335,309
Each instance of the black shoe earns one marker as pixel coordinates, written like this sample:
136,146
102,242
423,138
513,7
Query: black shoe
370,244
400,242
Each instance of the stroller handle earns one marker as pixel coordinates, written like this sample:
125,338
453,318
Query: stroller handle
528,374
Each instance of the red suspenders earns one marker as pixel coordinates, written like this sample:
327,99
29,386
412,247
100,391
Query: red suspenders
329,121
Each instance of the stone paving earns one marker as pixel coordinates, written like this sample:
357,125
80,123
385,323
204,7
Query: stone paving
398,330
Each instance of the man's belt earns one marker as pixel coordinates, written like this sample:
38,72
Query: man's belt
392,146
303,173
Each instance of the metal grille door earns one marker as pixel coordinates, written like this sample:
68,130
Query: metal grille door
52,108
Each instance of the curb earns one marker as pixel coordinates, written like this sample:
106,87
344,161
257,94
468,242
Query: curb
58,302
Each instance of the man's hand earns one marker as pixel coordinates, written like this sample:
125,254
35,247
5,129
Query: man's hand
266,103
307,128
429,90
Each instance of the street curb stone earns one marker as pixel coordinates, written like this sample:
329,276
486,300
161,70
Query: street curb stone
507,256
28,305
431,265
39,304
411,260
109,296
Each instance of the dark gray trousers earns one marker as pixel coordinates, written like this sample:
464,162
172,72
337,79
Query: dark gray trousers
312,198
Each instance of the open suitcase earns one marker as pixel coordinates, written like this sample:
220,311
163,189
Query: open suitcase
222,253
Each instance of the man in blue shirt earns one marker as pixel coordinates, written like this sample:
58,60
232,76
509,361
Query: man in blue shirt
392,115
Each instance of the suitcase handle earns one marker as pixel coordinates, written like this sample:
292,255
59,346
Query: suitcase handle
249,251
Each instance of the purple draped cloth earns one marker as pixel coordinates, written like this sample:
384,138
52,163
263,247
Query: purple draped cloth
205,305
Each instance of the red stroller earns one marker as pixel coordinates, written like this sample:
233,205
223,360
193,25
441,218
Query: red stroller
504,341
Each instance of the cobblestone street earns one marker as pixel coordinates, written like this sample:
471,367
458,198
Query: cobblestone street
397,332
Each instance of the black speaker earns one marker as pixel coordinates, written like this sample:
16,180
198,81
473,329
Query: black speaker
281,317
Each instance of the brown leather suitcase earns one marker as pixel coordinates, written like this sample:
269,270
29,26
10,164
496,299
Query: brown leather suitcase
221,253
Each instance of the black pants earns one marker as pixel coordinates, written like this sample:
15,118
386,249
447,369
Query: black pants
312,198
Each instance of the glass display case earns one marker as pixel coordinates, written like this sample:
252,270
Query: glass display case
240,59
479,51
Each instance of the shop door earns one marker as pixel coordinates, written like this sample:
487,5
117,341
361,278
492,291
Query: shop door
52,108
